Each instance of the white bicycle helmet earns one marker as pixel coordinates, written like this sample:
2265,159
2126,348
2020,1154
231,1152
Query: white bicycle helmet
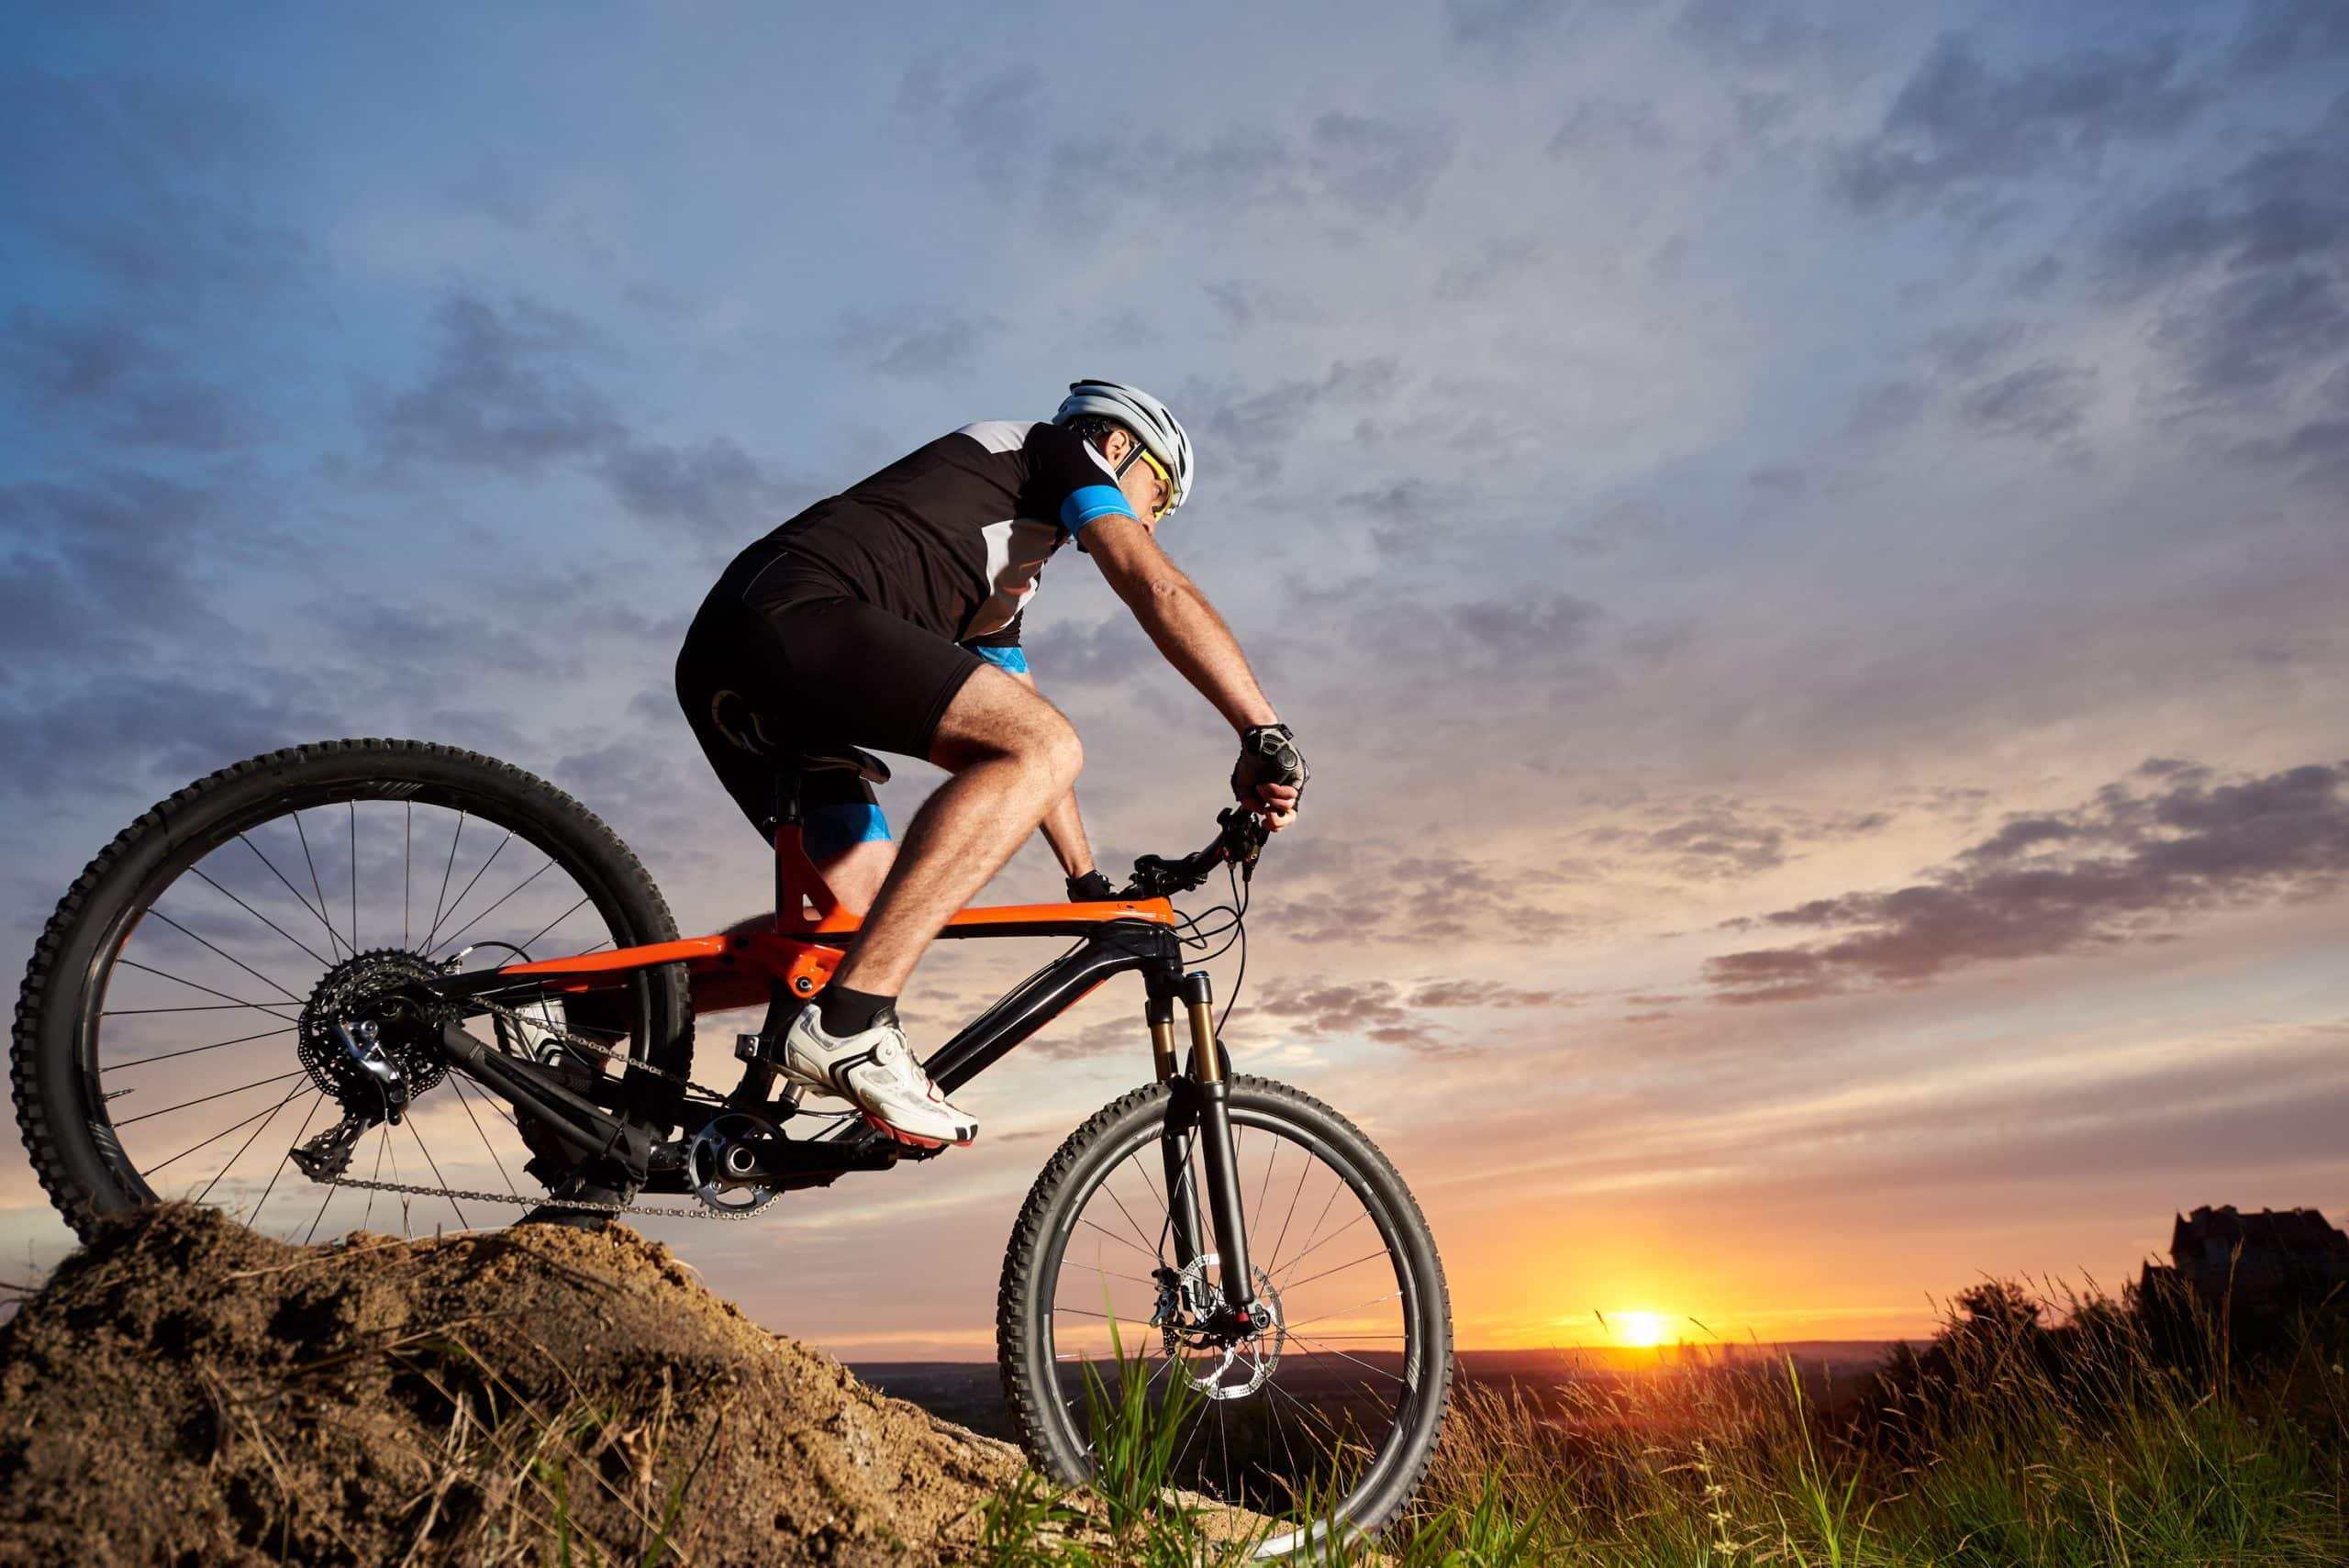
1161,436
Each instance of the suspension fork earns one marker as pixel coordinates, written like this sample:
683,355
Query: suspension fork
1202,1109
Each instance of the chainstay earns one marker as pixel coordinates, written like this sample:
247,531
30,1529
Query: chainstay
513,1016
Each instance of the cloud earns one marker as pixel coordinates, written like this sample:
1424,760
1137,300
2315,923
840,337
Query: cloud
1376,167
1423,898
2143,856
1716,837
2252,274
157,204
1372,1009
500,392
2045,402
1105,652
1500,27
1751,32
2282,35
1607,125
717,488
1958,123
101,375
1256,427
1488,993
154,731
1496,261
100,563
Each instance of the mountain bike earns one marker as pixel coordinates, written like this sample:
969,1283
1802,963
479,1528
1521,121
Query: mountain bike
518,1026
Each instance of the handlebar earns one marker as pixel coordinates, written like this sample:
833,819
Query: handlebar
1241,841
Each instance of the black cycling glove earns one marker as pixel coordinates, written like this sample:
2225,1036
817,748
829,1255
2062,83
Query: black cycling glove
1090,888
1268,755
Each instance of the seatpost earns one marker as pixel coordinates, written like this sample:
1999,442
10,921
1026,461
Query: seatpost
1213,1095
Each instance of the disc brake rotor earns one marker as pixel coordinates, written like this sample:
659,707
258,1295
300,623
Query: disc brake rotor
1218,1368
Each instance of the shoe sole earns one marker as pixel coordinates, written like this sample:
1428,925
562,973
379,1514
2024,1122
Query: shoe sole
815,1084
914,1139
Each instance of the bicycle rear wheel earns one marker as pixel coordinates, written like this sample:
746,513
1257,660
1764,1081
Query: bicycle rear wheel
1338,1407
160,1034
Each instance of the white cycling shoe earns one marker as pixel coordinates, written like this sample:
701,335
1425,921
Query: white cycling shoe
875,1071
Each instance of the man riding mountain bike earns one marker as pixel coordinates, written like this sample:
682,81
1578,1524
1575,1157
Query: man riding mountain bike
890,616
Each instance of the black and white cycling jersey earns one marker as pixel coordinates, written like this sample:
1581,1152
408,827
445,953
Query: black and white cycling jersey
953,536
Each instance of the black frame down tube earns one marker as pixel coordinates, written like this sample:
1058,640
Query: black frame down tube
1109,949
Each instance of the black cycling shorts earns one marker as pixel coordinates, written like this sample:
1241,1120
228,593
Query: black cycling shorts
781,656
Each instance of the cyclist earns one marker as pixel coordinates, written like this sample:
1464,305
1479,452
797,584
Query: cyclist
890,616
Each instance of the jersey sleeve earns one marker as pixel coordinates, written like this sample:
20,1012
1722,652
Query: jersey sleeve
1001,647
1068,482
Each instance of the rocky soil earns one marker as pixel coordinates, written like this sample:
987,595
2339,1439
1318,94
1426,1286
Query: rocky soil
184,1392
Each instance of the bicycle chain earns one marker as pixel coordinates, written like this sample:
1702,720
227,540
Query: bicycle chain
701,1212
513,1016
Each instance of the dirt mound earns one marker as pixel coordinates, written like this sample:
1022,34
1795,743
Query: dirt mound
185,1391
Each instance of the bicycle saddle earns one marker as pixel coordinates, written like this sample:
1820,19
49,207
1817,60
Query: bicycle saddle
828,759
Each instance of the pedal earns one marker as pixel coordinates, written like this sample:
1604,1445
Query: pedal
763,1081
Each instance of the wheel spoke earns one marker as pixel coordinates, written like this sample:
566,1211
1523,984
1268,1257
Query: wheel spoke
1325,1317
1342,1268
558,920
263,919
191,1051
454,839
300,1134
314,888
215,1137
248,968
468,888
451,939
435,1166
1304,1167
1325,1349
456,1081
248,1143
206,1099
334,939
354,874
1333,1235
268,1007
1130,1218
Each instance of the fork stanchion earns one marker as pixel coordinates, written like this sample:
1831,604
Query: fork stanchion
1158,1013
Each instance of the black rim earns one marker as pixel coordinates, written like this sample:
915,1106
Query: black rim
1332,1409
194,1013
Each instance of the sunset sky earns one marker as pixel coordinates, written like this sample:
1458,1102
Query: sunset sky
1806,544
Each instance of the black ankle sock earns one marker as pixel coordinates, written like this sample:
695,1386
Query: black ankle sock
847,1012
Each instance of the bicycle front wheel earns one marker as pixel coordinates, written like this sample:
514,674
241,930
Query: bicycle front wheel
1330,1416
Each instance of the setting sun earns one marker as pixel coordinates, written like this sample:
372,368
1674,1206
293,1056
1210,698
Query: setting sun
1637,1327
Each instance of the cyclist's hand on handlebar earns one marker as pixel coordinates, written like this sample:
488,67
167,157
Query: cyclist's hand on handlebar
1271,774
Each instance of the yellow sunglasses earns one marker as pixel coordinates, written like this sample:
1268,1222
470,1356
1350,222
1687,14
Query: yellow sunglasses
1166,480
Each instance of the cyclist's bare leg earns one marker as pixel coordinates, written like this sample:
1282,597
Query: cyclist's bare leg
1012,755
856,873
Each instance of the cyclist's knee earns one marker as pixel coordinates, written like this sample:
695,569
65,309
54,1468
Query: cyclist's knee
994,719
1062,752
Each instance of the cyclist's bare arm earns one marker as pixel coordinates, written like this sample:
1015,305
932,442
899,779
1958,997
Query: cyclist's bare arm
1186,630
1063,827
